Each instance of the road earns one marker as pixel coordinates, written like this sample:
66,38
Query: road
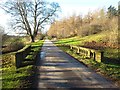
57,69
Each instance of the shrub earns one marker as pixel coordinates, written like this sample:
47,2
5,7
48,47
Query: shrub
14,46
94,29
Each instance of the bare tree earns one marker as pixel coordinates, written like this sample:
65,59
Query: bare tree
31,16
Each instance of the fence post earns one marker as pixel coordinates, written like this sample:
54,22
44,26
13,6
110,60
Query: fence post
71,47
88,55
18,57
94,55
99,56
78,50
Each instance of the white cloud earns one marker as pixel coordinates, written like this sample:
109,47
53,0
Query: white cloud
3,19
67,10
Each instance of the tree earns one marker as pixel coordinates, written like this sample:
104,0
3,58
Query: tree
1,30
112,11
1,34
119,8
31,16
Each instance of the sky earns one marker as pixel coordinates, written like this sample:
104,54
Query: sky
68,7
83,6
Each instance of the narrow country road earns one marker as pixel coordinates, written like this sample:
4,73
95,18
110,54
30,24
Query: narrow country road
57,69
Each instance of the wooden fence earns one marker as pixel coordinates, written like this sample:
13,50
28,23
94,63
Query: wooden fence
88,53
15,58
21,55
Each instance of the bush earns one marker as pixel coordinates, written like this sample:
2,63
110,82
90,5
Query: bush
84,30
94,29
14,46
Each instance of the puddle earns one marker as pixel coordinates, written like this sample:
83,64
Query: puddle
48,48
42,55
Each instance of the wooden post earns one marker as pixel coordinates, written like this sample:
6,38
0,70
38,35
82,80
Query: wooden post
19,58
94,55
99,56
78,51
88,55
71,47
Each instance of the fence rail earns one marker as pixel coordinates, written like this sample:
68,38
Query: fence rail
97,55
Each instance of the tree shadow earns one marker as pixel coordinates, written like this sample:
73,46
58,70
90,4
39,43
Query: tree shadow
112,61
65,42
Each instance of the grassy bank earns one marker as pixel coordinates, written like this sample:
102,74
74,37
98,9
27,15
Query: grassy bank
21,77
12,78
110,68
77,40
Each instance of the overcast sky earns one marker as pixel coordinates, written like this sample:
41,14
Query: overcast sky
69,7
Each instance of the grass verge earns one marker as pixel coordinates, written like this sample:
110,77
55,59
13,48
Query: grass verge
15,78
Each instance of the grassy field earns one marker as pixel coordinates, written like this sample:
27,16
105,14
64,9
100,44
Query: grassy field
110,67
21,77
80,40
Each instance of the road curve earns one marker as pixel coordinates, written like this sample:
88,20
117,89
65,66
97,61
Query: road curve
57,69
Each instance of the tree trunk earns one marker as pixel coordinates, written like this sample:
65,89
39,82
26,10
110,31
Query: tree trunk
32,38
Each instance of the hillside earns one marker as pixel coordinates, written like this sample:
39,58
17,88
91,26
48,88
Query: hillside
77,40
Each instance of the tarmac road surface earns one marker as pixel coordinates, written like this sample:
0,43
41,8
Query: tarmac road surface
57,69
